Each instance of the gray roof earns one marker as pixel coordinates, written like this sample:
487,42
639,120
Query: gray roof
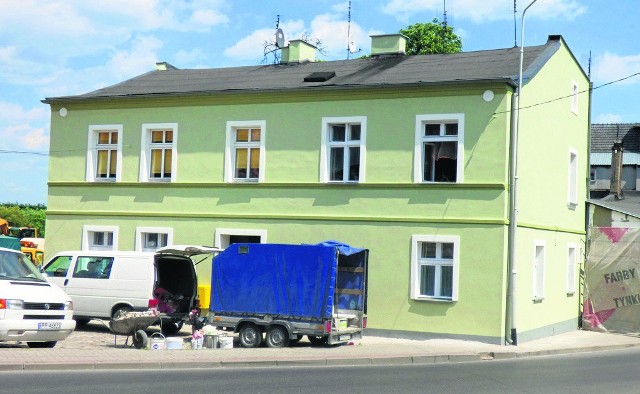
604,135
500,65
629,204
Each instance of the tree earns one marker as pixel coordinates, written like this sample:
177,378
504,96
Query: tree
430,38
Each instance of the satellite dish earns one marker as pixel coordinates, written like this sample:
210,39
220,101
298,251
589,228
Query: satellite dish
279,38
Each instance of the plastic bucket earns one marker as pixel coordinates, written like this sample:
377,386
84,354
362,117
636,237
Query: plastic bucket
210,342
225,342
174,343
156,341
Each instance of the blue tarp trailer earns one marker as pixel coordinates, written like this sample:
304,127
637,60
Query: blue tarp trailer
288,291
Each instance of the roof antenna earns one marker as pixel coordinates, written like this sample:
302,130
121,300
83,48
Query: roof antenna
351,46
444,24
279,34
515,25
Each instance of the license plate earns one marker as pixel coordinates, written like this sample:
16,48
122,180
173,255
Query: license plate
50,325
344,337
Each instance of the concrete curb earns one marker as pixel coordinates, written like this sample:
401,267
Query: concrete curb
383,360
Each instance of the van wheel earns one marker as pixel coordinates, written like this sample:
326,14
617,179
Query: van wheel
317,340
39,345
277,336
250,336
140,339
122,309
170,327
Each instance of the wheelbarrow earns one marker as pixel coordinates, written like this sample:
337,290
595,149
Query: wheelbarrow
134,324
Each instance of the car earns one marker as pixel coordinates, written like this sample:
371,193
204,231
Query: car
32,310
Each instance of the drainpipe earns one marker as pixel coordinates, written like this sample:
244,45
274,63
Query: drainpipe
513,201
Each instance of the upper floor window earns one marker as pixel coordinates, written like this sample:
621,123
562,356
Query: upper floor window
149,239
159,153
99,237
572,187
438,148
245,153
434,267
343,149
104,153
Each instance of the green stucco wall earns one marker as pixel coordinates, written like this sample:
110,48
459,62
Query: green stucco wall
381,213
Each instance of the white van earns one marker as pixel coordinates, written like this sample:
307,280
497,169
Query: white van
103,284
32,310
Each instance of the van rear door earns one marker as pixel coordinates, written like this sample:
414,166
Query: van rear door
176,284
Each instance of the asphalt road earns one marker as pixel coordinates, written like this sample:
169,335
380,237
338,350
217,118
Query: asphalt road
605,372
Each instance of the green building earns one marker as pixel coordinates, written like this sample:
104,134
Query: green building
408,156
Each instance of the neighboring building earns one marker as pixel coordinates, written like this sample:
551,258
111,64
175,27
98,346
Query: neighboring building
408,156
607,141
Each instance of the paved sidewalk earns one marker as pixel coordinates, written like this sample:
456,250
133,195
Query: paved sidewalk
93,347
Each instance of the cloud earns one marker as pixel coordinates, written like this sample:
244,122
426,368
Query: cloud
252,46
608,118
330,29
17,131
482,10
610,67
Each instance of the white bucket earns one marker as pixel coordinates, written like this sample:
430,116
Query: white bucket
225,342
156,341
174,343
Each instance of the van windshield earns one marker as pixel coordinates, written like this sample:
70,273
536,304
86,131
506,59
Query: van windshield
17,266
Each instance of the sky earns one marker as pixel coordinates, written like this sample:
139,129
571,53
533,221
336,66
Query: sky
51,48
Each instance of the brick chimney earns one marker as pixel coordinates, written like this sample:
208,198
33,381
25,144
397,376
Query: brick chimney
615,187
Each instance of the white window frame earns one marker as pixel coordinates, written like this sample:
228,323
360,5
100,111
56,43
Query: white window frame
418,153
416,241
142,231
222,235
572,184
92,152
87,235
229,151
575,92
539,257
145,151
572,259
325,146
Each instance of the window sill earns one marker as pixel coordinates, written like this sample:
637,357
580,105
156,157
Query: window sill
434,299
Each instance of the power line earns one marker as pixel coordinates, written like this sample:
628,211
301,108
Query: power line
571,95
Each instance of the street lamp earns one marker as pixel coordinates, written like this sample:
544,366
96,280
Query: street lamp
513,220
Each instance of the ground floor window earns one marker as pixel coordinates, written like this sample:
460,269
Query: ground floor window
227,236
99,237
149,239
434,267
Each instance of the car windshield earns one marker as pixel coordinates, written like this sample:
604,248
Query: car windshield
17,266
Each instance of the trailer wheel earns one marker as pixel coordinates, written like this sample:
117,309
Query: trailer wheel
277,336
250,336
140,339
317,341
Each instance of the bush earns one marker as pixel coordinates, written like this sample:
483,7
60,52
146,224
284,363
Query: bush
24,215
